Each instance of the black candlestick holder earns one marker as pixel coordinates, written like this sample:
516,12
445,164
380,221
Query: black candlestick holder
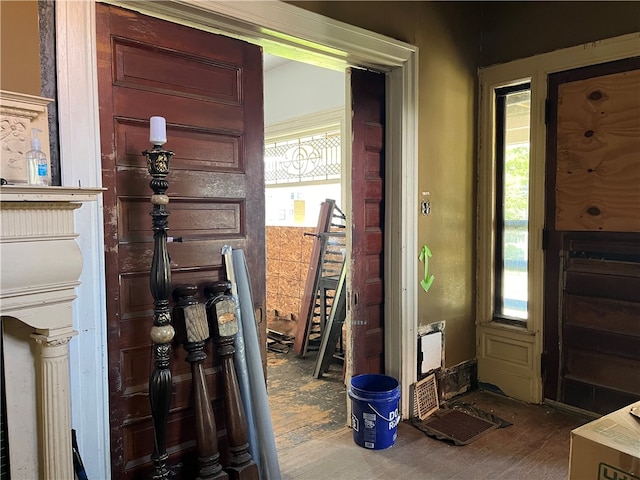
162,332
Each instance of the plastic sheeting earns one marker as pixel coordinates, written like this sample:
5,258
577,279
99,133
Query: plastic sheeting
251,379
240,361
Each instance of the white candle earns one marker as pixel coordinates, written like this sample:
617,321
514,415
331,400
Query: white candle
158,131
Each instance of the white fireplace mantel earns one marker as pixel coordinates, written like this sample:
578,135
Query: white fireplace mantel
40,264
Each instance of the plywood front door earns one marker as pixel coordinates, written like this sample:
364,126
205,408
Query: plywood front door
366,299
209,89
592,263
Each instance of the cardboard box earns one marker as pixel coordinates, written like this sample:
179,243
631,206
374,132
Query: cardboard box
607,448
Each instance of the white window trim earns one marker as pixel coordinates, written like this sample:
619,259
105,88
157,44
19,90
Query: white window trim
313,124
509,356
318,122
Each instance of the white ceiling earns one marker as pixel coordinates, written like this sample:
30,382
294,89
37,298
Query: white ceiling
270,62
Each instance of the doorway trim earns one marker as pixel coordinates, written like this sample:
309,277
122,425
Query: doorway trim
282,29
510,357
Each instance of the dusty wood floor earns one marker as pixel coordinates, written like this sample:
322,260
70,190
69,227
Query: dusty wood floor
303,407
313,442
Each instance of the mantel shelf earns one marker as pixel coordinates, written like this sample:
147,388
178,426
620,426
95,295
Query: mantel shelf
36,193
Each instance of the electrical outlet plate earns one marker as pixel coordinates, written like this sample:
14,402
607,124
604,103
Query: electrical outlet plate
425,207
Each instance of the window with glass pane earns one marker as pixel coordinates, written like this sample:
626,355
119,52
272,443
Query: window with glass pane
300,172
513,106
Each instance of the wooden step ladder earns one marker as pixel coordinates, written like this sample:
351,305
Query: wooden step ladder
325,267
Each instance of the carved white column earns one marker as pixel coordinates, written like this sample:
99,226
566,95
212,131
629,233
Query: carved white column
53,403
40,263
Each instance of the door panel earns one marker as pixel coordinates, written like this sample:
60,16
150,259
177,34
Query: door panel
367,207
209,88
592,263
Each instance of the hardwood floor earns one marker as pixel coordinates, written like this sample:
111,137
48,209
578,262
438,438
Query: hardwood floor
314,443
303,407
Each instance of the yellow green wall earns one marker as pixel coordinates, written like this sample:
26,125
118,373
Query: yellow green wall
512,30
454,38
449,42
448,36
19,47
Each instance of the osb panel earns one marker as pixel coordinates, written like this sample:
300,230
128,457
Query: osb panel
288,253
598,154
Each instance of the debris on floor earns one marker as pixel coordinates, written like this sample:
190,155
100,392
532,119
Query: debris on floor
279,342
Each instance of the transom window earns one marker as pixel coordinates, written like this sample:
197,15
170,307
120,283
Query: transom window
301,170
303,159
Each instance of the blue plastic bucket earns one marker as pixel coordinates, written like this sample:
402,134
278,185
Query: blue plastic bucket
375,410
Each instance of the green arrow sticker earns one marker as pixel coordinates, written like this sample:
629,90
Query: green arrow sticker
426,282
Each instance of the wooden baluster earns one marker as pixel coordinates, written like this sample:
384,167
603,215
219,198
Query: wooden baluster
224,325
192,330
162,332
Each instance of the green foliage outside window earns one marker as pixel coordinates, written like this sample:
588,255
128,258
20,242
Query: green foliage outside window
516,186
516,203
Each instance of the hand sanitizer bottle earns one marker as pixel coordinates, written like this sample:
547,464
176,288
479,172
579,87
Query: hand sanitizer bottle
37,165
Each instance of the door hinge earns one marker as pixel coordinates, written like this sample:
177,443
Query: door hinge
543,363
547,111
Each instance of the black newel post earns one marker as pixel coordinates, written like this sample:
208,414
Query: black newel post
162,331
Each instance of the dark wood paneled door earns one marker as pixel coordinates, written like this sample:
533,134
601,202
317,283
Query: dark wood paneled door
366,299
209,89
592,264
